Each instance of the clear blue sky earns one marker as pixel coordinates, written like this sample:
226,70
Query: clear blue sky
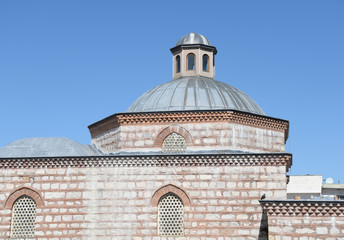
67,64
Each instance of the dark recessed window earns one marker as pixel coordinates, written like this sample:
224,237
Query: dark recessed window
191,61
205,63
177,64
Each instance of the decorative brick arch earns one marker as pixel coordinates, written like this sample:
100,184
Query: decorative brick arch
170,189
167,131
24,191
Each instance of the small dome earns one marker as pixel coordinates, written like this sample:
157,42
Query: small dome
46,147
194,93
193,38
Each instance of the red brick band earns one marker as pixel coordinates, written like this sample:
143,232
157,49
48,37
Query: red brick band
171,129
170,189
21,192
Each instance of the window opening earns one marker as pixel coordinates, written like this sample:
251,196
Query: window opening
191,61
23,217
178,64
174,143
205,63
171,215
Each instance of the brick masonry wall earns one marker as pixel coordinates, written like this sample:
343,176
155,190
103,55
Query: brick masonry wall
204,136
108,141
306,228
116,202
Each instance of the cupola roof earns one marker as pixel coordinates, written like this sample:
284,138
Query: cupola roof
193,38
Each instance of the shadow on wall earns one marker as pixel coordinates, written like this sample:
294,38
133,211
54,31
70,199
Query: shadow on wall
264,230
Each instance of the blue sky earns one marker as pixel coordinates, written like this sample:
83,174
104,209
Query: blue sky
67,64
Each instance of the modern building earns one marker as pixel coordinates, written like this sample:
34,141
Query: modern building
313,187
193,158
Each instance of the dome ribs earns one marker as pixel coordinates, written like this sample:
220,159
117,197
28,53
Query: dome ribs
205,94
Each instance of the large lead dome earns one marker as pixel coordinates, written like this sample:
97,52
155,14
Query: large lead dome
194,93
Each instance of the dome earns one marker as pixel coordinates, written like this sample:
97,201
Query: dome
193,38
194,93
46,147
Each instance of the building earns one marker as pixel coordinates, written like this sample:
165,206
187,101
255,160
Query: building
192,158
312,187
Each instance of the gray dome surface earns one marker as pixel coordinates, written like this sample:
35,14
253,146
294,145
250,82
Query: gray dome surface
193,38
194,93
46,147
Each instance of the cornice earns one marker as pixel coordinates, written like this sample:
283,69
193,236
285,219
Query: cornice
104,127
303,208
194,116
197,116
181,160
193,46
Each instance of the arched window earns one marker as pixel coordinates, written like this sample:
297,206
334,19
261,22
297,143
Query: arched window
178,64
191,61
174,143
170,215
205,63
23,218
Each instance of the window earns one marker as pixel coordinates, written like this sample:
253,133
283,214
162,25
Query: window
171,215
174,143
205,63
23,217
178,64
191,61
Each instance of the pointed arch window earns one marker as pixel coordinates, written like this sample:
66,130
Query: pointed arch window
178,64
174,143
23,218
205,60
170,215
191,61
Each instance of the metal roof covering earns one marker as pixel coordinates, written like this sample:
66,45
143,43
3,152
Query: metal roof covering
46,147
194,93
193,38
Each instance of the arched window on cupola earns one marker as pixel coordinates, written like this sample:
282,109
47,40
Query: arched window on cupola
170,216
174,143
205,60
190,61
178,64
23,218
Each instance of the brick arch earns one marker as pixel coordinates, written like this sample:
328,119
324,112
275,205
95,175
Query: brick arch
24,191
170,189
167,131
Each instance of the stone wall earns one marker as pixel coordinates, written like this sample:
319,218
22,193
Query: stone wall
108,141
118,200
306,228
204,130
305,220
204,136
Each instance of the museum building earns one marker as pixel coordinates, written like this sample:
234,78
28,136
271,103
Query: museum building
193,158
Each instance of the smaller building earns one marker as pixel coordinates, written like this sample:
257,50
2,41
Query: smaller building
313,187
